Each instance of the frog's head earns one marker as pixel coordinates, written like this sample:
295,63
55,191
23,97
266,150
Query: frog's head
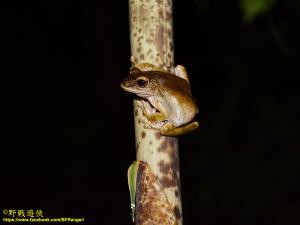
140,83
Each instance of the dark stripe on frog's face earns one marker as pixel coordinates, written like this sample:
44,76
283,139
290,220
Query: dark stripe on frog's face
140,84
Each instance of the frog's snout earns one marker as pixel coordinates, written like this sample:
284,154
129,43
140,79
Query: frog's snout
125,84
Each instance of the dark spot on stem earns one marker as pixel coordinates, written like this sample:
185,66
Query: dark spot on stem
160,37
143,135
163,146
164,167
177,212
157,135
167,182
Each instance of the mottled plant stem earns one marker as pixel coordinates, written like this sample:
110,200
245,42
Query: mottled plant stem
151,34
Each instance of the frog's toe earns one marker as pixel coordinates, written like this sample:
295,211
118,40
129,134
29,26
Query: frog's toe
193,126
169,130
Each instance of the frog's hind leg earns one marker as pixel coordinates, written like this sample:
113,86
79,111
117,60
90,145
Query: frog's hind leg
170,130
180,71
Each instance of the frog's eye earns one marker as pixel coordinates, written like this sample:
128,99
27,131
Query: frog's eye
142,82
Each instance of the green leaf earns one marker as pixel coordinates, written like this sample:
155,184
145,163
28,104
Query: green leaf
253,8
132,176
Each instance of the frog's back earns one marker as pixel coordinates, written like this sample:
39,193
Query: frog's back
172,83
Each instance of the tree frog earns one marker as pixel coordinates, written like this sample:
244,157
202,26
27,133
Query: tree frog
167,101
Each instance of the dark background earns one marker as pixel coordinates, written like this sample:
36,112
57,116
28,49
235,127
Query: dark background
68,128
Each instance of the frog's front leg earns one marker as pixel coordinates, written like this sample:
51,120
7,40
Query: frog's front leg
154,118
170,130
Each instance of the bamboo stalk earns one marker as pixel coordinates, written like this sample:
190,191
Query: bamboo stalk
151,34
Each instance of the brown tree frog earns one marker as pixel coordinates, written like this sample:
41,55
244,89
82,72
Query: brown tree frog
167,101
